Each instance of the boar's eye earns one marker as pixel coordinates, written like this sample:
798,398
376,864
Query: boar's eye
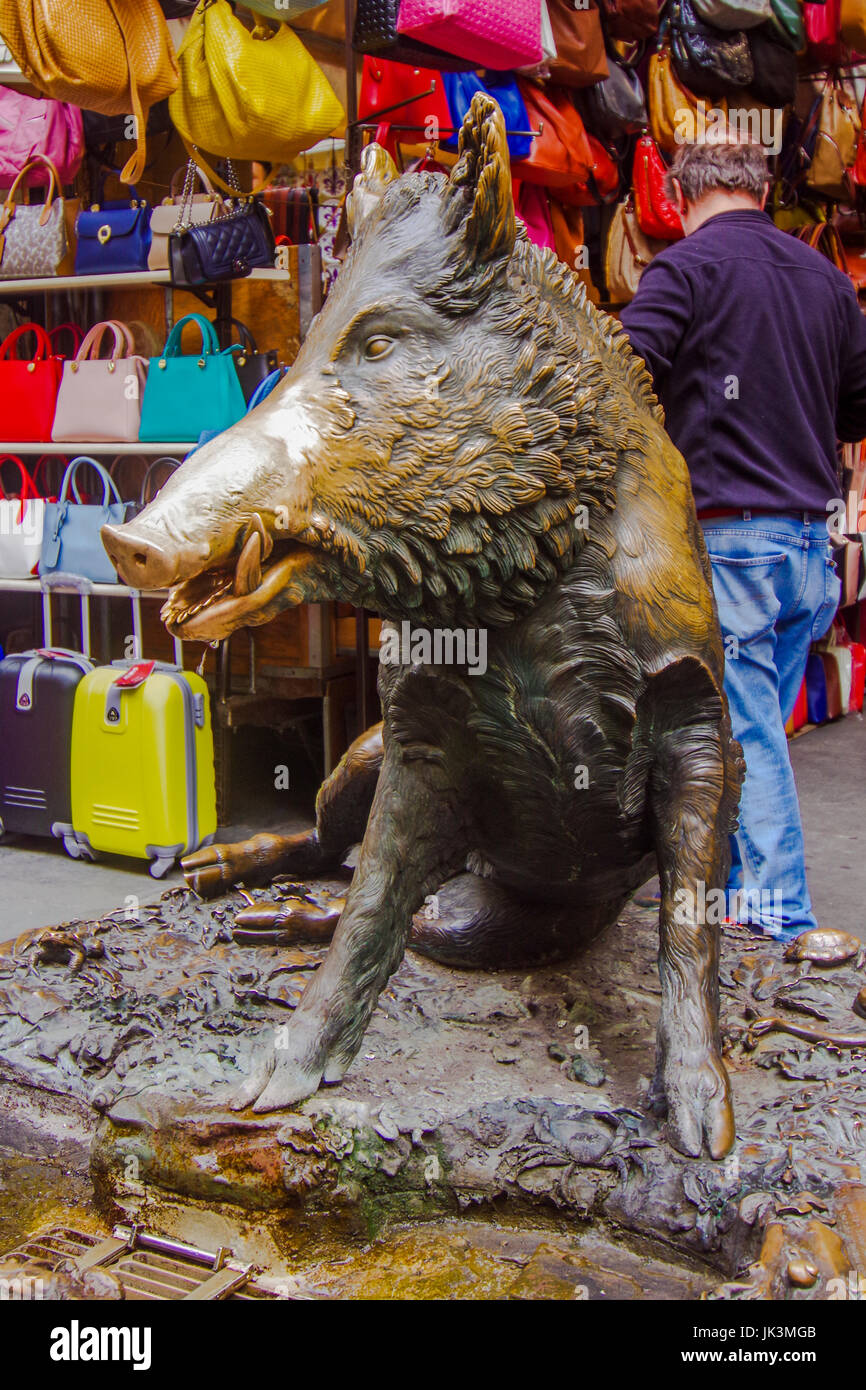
378,346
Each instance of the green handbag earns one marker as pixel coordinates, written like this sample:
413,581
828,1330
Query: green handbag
788,22
187,394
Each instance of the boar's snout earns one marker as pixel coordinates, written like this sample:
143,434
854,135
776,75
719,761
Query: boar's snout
143,563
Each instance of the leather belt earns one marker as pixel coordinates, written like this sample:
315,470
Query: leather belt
748,514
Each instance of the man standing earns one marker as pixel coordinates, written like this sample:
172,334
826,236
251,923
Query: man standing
757,348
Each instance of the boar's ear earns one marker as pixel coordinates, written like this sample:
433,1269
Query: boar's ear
377,171
481,179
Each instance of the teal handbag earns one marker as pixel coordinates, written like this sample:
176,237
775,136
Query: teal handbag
186,394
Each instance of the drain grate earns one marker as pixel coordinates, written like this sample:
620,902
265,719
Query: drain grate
148,1267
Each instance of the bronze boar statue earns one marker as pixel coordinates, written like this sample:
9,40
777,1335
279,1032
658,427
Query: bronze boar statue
467,446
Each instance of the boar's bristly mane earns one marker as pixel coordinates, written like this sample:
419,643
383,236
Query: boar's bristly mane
502,438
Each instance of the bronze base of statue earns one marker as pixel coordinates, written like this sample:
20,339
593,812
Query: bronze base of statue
516,1094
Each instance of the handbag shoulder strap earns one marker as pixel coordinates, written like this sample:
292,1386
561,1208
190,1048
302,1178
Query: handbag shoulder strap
209,340
108,487
43,343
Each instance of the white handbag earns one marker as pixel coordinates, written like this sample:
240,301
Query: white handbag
100,397
22,520
170,216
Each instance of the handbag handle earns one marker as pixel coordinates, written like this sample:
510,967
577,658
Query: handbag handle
74,329
28,487
209,340
176,184
245,335
42,463
108,487
43,342
122,345
165,462
8,210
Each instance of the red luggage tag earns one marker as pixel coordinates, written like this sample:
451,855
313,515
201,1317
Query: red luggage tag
136,675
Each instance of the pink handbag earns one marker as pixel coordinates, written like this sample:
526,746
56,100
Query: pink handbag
533,207
485,32
32,126
100,397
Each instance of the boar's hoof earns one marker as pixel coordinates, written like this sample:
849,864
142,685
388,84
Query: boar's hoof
292,1073
211,871
699,1108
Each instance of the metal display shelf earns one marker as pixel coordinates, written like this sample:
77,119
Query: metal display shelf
38,586
85,590
159,278
66,446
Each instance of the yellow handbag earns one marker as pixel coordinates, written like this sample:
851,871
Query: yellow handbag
673,110
105,55
835,144
249,94
853,24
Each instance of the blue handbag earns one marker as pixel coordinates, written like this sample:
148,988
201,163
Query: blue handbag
186,394
71,543
460,88
113,238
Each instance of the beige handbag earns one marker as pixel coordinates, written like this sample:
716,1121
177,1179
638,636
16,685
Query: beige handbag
835,144
627,254
100,397
201,207
33,240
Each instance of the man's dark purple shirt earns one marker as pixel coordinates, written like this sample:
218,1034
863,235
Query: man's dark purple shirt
757,348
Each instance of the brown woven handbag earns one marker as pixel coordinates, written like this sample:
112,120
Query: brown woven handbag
104,55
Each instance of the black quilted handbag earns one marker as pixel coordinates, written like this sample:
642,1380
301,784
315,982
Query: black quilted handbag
376,32
775,80
252,366
226,248
707,60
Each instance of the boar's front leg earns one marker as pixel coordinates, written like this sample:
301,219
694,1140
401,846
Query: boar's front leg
691,808
415,839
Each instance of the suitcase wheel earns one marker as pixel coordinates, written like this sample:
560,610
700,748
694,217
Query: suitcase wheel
160,867
76,850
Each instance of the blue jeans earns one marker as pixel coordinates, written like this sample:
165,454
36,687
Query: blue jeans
777,591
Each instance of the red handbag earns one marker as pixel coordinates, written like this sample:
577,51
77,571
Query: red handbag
656,214
602,186
800,715
561,155
386,85
823,24
28,389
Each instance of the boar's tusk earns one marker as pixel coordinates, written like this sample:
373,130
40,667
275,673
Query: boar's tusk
256,524
248,575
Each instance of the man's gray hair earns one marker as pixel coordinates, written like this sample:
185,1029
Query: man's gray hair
737,166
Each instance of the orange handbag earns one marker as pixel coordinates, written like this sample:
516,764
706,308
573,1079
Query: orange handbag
602,185
561,155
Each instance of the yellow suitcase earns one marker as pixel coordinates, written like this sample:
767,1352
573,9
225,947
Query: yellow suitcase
142,764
